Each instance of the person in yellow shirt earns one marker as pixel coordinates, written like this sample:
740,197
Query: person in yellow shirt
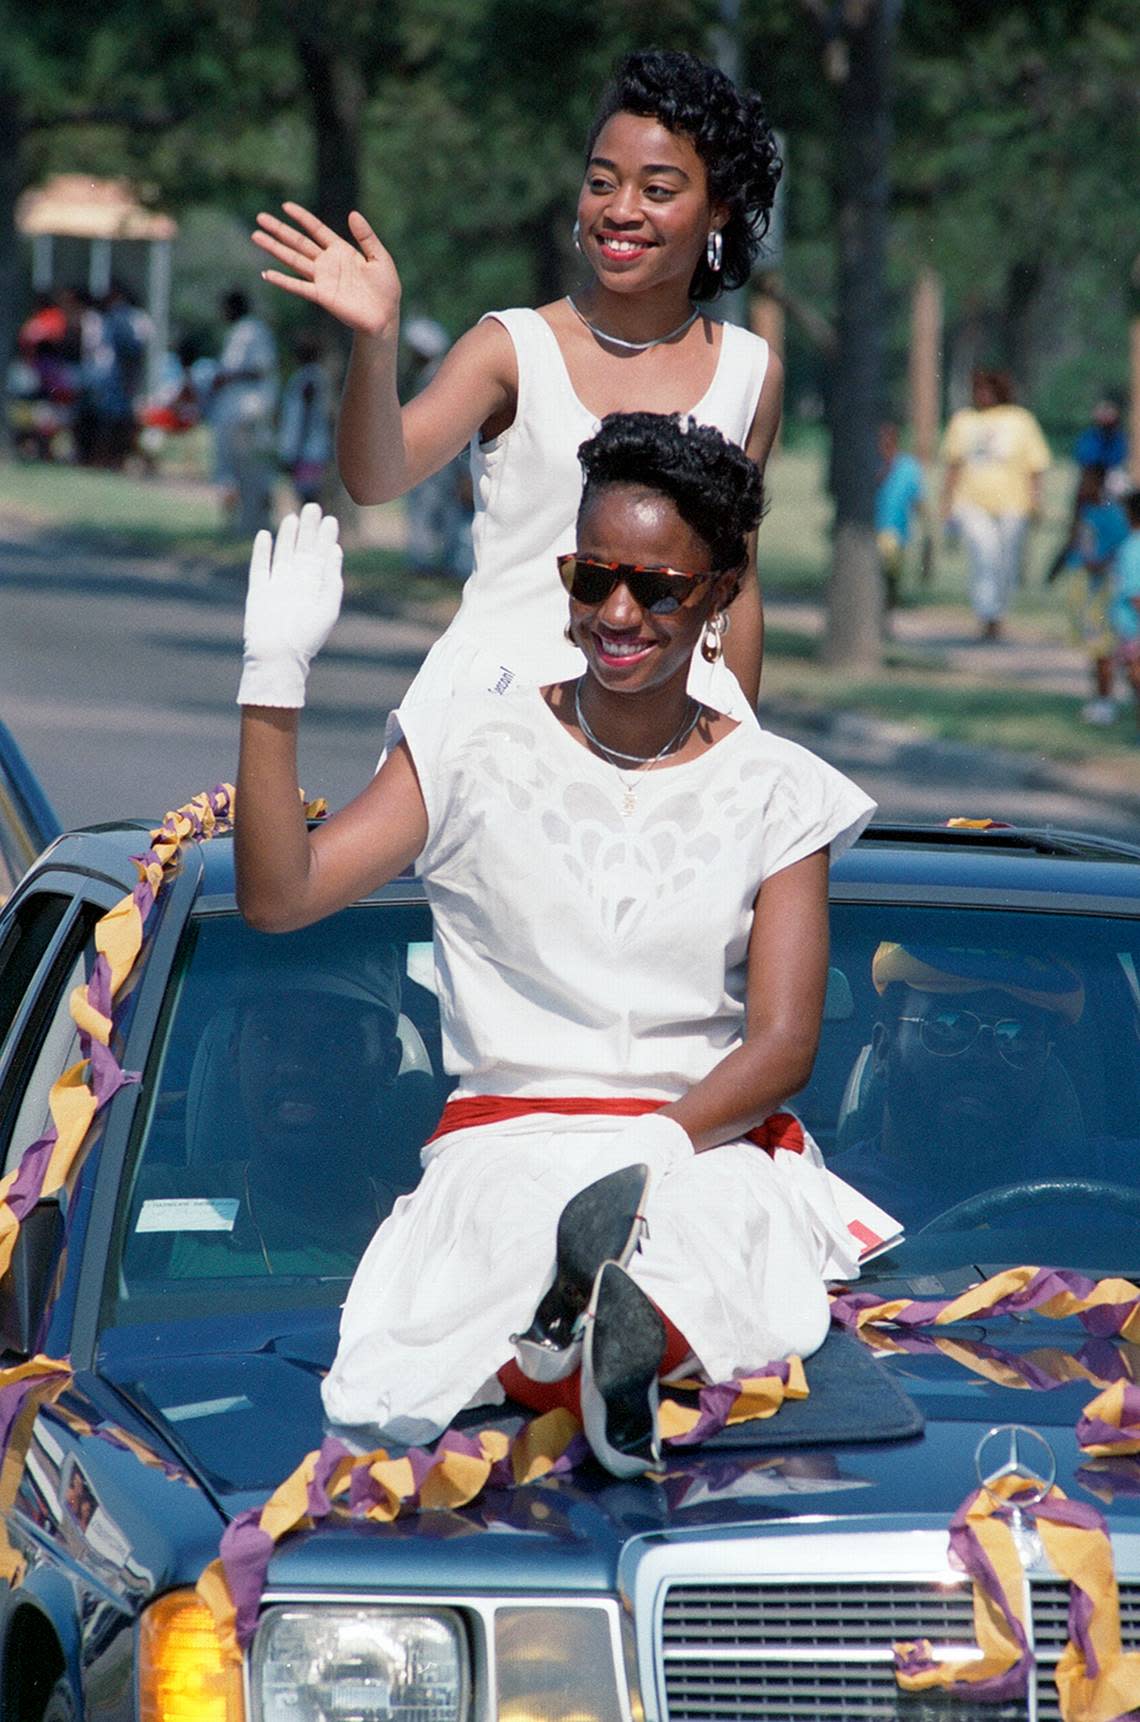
994,454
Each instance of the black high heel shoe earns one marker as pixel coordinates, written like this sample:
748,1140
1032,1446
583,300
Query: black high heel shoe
621,1355
602,1223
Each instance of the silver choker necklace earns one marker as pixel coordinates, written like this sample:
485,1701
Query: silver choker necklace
644,760
634,346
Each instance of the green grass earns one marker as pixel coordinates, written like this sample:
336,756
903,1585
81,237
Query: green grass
918,691
111,511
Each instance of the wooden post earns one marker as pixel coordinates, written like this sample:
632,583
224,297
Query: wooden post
853,636
1134,373
924,370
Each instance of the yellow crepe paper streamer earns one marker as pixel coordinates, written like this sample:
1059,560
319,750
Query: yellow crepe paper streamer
985,1299
47,1377
1077,1552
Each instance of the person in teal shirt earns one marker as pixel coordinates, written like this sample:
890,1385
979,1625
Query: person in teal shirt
1100,531
1125,611
899,497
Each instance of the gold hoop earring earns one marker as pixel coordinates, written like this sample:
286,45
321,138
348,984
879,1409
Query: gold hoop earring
712,640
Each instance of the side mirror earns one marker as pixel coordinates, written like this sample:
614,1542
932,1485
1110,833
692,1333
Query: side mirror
25,1288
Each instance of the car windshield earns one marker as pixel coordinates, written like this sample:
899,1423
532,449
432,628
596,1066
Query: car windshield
978,1077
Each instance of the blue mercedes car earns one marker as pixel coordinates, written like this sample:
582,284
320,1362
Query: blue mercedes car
978,1080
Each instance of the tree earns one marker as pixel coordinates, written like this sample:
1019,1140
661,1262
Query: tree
858,53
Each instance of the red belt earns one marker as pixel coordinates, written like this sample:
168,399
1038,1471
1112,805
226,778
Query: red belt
779,1129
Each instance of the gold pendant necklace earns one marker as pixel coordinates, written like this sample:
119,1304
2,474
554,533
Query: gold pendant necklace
645,762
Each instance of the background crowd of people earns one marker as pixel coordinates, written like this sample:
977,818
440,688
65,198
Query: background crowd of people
80,394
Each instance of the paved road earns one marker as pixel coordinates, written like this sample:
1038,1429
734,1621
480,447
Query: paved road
118,677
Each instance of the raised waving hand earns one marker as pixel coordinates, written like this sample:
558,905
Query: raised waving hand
357,282
292,601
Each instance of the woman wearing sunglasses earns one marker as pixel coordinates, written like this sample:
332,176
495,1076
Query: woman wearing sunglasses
680,176
630,900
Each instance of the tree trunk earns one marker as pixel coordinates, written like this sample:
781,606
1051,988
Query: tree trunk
545,237
854,631
336,106
1024,283
11,183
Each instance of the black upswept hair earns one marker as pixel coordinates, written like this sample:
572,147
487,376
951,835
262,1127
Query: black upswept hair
714,486
730,132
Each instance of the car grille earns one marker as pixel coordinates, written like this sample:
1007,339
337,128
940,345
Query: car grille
822,1652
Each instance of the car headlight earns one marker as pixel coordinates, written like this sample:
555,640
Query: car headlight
386,1664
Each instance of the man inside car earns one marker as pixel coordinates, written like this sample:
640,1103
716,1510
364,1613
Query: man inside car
284,1131
961,1089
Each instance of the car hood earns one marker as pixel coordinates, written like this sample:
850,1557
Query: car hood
242,1420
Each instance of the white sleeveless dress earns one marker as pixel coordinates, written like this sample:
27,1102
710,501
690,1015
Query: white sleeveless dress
588,947
512,618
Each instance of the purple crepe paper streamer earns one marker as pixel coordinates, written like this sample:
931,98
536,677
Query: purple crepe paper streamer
1095,1432
332,1451
99,985
29,1180
1119,1473
246,1551
363,1491
1107,1319
501,1477
421,1463
1046,1284
1101,1358
1083,1516
713,1405
968,1552
108,1075
455,1441
716,1402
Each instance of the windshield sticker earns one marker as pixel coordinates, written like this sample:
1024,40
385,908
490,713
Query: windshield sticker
188,1214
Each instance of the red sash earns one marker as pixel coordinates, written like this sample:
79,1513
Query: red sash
779,1129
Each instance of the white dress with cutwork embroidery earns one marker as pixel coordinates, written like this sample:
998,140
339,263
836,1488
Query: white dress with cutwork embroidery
591,939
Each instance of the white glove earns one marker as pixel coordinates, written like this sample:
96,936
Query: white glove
293,600
660,1142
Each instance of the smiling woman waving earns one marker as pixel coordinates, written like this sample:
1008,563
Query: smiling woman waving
680,175
629,890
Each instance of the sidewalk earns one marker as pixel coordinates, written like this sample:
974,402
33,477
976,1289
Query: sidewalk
920,777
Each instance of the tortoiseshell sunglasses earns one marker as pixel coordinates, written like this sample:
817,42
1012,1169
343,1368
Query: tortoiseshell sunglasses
658,590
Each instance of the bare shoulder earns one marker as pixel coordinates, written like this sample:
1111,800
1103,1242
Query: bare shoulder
557,313
476,386
486,348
